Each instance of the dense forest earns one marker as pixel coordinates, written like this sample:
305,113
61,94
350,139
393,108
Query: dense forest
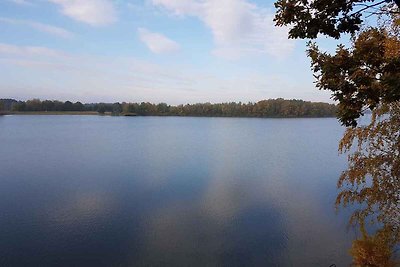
266,108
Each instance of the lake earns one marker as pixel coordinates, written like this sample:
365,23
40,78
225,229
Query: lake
170,191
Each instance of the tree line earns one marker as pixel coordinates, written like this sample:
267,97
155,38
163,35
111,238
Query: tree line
265,108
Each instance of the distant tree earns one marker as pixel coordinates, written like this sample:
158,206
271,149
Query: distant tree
264,108
1,106
48,105
116,108
68,106
8,103
101,108
58,105
34,105
90,107
146,108
130,108
163,108
19,106
78,106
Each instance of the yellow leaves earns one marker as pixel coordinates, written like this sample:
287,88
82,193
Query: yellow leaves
392,48
373,180
372,251
392,43
362,76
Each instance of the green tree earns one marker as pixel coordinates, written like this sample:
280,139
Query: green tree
101,108
48,105
116,108
163,108
68,106
78,106
34,105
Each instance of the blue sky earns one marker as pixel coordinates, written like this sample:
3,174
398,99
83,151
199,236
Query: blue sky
174,51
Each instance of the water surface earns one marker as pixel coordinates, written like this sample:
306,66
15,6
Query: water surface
167,191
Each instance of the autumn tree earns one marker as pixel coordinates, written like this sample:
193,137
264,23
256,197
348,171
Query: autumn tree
359,77
374,250
309,18
372,179
364,76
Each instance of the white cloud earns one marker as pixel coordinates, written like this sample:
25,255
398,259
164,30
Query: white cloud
156,42
238,26
30,51
92,12
34,71
181,7
21,2
57,31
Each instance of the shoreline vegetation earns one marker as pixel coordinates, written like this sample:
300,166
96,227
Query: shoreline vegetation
271,108
52,113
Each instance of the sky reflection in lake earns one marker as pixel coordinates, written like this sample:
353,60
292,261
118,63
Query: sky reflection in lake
116,191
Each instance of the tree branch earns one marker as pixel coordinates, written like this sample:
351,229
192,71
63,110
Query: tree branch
369,6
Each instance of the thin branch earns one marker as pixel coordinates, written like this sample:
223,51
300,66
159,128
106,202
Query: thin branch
367,7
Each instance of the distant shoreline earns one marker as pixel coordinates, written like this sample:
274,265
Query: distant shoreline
94,113
53,113
271,108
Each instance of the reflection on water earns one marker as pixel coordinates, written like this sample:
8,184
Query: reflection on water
372,182
377,249
103,191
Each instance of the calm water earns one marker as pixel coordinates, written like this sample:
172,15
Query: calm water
150,191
